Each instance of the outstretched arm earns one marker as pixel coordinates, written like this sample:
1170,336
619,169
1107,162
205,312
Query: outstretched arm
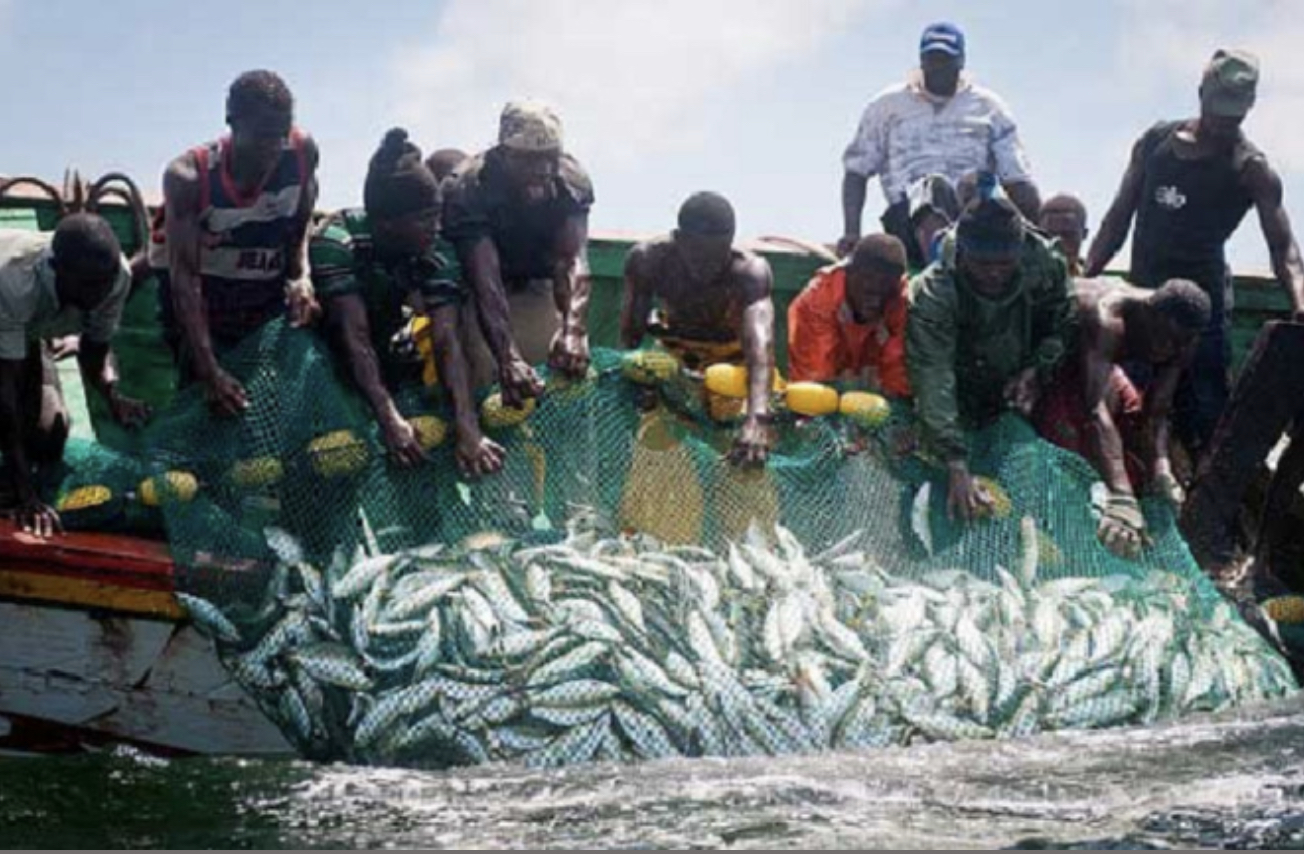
854,190
757,283
1118,219
181,198
33,515
571,285
351,332
476,454
300,297
517,379
1265,188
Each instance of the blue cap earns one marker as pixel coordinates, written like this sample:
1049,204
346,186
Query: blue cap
944,37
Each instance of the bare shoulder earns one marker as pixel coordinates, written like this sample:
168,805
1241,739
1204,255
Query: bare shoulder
311,153
753,273
644,257
1259,177
181,180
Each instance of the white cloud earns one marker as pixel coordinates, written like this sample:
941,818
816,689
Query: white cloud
630,78
1167,42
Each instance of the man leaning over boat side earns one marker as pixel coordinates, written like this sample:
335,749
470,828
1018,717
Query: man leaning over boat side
1092,408
54,284
365,265
1189,185
518,215
716,305
849,323
986,327
937,122
236,217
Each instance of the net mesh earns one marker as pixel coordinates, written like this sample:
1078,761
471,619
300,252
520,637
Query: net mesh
621,591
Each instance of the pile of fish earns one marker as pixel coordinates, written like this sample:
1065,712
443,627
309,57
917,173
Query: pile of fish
621,648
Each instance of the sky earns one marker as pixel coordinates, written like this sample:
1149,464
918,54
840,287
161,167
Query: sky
752,98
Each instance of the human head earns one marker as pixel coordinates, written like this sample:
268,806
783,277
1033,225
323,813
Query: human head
401,197
989,239
705,234
444,162
1227,92
87,260
874,272
1064,217
260,113
530,139
941,58
1178,312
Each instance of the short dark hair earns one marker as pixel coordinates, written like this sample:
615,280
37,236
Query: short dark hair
879,252
706,213
85,244
1184,303
259,92
1065,203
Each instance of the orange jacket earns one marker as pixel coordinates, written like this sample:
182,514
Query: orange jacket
824,343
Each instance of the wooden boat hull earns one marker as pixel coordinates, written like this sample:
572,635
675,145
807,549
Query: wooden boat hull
96,651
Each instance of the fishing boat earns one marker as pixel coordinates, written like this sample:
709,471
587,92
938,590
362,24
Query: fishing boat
96,650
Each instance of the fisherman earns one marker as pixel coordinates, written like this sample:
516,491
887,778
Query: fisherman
1064,218
445,162
1093,409
716,306
1189,184
365,265
986,327
51,285
236,230
849,322
937,122
933,209
518,215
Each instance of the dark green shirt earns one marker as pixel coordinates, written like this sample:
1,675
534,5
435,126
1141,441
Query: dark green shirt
963,348
344,261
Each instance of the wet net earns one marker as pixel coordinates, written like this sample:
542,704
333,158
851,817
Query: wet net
620,591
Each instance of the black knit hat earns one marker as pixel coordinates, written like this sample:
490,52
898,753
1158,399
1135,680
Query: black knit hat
398,183
990,227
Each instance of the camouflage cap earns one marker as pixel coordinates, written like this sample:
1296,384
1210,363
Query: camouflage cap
529,126
1230,81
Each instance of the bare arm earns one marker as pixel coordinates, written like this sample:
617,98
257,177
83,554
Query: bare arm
571,288
1156,408
475,454
351,332
1104,442
753,443
1118,219
12,441
854,190
181,198
297,258
758,337
1265,188
636,309
1026,198
517,379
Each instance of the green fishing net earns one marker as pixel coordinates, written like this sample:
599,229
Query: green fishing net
621,591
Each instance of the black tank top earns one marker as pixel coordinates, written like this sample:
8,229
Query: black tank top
1189,209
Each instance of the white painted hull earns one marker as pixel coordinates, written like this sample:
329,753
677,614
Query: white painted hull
72,679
